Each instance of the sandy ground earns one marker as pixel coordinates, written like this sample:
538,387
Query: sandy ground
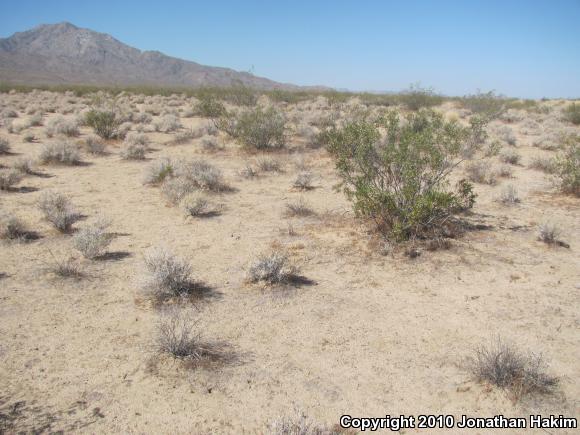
370,334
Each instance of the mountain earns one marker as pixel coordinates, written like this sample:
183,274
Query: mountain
65,54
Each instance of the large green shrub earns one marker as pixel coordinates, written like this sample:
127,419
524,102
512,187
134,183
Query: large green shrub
105,123
488,104
209,106
417,97
399,178
256,128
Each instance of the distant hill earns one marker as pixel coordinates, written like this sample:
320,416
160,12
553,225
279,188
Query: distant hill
65,54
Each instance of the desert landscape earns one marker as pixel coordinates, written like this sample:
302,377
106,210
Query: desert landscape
240,260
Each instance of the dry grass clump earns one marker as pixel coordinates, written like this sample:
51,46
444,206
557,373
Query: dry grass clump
176,335
11,227
503,365
9,177
480,172
510,156
248,171
61,125
58,210
95,145
64,153
267,164
544,164
509,195
4,146
272,268
298,208
550,234
198,206
166,274
66,267
303,180
92,240
158,171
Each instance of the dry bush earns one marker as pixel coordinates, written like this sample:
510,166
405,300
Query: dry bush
61,125
210,144
298,208
303,180
568,167
95,145
197,205
4,146
175,189
267,164
58,210
572,113
166,274
507,135
272,268
136,139
92,240
545,164
480,172
167,124
29,138
177,335
66,267
64,153
133,152
201,175
11,227
249,171
510,156
505,171
549,233
509,195
8,178
503,365
158,171
257,128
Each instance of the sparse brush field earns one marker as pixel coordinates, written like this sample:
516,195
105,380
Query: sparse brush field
223,264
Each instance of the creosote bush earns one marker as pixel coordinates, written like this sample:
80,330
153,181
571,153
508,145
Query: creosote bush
105,123
58,210
417,97
572,113
400,180
259,128
503,365
166,274
63,153
488,104
209,106
92,240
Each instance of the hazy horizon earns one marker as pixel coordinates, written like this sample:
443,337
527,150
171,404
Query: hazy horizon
524,49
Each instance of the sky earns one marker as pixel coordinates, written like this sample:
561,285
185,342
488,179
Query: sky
519,48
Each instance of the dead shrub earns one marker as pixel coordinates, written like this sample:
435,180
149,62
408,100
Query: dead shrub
272,268
166,274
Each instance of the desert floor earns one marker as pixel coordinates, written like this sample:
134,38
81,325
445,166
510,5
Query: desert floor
364,334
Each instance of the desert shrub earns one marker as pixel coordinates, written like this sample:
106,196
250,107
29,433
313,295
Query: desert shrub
133,152
510,156
241,95
248,171
258,128
298,208
401,181
503,365
417,97
136,139
477,137
4,146
66,267
488,104
11,227
480,172
545,164
167,123
267,164
507,135
35,120
64,153
209,143
567,167
572,113
549,233
509,195
271,268
201,175
209,106
29,138
24,165
166,274
301,425
142,118
176,335
58,210
61,125
8,178
92,240
197,206
105,123
505,171
303,180
158,171
177,188
95,145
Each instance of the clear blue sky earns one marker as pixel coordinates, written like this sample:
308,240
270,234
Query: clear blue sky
526,48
